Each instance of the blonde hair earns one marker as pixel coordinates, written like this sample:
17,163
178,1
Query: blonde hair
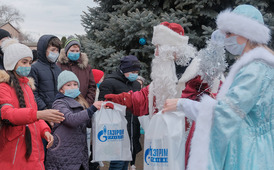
254,45
82,101
268,49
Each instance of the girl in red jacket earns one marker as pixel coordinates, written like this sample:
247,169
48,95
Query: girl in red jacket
21,130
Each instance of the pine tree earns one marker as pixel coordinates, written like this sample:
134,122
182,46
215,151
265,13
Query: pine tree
115,27
63,41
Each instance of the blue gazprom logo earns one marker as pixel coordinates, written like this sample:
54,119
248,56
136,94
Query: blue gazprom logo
105,134
153,155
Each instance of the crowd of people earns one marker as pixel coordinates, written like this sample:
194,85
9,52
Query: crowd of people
46,107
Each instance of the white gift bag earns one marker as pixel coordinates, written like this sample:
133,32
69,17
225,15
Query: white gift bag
110,140
164,147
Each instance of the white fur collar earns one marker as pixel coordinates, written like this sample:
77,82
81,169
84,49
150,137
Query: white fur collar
251,29
258,53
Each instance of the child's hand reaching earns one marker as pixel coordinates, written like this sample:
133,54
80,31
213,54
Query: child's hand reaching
49,139
98,104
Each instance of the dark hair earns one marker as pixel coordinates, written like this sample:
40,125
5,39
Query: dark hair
35,57
20,96
55,42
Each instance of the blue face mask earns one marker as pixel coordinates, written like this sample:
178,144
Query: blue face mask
73,56
98,85
52,57
73,93
132,76
232,46
23,71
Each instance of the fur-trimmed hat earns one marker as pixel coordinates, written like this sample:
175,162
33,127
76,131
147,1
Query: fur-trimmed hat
169,34
13,52
246,21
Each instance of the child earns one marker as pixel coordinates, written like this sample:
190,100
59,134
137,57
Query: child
45,71
72,59
21,132
98,78
70,149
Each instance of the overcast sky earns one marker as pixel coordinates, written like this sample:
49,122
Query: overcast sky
57,17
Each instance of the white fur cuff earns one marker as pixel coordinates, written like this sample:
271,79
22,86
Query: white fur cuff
199,152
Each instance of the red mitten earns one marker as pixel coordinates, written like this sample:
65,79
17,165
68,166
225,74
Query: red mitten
122,98
109,105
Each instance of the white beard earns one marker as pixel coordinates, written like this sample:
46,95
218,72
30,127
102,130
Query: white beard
163,75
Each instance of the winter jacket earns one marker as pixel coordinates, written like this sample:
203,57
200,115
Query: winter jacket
84,73
12,140
45,75
117,83
69,150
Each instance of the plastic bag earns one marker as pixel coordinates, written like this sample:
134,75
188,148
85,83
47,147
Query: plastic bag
164,147
110,139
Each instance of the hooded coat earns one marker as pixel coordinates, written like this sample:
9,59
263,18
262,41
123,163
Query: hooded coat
84,73
12,140
45,75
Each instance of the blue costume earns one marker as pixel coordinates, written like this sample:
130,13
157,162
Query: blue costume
236,131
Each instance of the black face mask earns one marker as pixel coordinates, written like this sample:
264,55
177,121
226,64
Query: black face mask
180,70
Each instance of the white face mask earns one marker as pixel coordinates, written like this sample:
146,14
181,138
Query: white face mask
232,46
52,57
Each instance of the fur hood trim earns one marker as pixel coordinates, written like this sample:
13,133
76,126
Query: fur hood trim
201,138
251,29
5,78
83,60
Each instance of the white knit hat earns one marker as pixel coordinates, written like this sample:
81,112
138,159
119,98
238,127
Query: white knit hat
13,52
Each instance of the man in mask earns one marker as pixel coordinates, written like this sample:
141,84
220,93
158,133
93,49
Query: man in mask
3,35
172,55
124,80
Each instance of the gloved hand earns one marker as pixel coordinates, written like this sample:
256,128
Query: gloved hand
122,98
109,106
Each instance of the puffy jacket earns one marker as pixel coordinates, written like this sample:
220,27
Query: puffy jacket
12,140
117,83
84,73
45,75
69,150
